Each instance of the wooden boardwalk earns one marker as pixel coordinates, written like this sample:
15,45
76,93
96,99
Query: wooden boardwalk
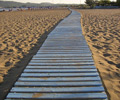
63,68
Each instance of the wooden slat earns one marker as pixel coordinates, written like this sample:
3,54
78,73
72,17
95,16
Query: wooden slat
47,55
61,61
60,67
82,40
63,50
57,95
73,44
58,74
57,89
67,29
57,99
58,84
59,79
62,64
66,40
61,58
60,70
64,46
84,52
64,36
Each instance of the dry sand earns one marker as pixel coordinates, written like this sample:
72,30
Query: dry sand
101,29
20,31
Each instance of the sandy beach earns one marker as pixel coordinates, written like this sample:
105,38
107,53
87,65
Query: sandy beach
23,32
20,31
21,35
101,29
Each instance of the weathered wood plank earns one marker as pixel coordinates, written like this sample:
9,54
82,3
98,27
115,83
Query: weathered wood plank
60,67
58,79
64,52
54,99
60,70
71,51
64,48
65,45
61,61
57,89
57,95
63,55
61,64
70,40
61,58
62,43
73,44
58,84
59,74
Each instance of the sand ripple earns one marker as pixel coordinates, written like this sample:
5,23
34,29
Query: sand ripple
102,32
20,31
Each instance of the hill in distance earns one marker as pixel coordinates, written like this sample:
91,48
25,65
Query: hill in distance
10,4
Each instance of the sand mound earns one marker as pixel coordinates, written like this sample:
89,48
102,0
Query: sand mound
102,32
20,31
